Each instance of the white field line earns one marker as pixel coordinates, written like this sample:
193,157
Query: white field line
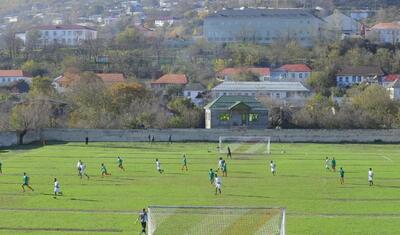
387,158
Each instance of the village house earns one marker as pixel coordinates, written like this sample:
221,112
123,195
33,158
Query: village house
62,83
349,76
394,89
194,92
291,72
263,26
169,80
69,35
7,77
232,73
339,22
271,89
236,111
386,32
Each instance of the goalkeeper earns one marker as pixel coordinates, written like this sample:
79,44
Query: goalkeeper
229,154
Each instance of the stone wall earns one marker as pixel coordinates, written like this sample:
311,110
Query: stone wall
294,135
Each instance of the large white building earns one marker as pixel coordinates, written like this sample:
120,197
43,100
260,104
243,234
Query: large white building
7,77
341,23
275,90
386,32
69,35
263,25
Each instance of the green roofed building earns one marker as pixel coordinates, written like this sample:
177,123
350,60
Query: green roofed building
236,111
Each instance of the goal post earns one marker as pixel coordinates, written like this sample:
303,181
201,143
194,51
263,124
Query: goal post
245,145
199,220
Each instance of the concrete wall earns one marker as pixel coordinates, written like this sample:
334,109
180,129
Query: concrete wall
316,136
360,136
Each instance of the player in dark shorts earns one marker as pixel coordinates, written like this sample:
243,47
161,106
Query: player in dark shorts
341,172
229,154
333,164
143,220
120,161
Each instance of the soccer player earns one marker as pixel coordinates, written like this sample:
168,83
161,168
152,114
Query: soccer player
57,189
119,161
229,154
87,140
158,165
333,164
221,162
211,176
184,163
370,177
83,171
218,184
26,183
1,171
224,169
143,220
327,163
78,167
153,139
104,170
170,139
273,167
341,172
149,138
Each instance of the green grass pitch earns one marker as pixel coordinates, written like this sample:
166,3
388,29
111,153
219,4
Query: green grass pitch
316,202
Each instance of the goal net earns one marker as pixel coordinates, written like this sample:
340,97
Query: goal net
250,145
179,220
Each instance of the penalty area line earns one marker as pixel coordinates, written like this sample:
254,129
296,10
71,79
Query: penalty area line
68,210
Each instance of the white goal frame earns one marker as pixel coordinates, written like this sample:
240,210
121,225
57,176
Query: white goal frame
152,228
244,139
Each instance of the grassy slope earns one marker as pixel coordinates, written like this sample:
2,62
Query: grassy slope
316,202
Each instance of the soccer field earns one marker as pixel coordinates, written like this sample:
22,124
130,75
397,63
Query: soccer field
316,202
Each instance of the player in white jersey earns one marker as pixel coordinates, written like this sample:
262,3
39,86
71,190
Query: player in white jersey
218,184
57,189
221,163
78,167
370,177
327,163
273,167
158,165
83,171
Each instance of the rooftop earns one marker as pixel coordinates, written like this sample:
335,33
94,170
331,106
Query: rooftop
296,68
361,70
111,77
261,86
172,79
253,12
227,102
12,73
63,27
393,25
235,71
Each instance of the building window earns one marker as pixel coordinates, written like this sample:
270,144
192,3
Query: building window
293,75
347,79
300,75
340,79
224,117
253,117
278,95
188,93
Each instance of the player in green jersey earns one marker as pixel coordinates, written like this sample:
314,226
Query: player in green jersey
119,161
224,169
211,176
341,172
26,183
184,163
103,170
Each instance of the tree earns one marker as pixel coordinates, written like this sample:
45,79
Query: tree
33,68
186,114
31,114
128,39
42,86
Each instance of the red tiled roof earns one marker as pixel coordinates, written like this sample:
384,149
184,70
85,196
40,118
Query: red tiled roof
236,71
392,77
386,26
296,68
12,73
63,27
111,77
172,79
